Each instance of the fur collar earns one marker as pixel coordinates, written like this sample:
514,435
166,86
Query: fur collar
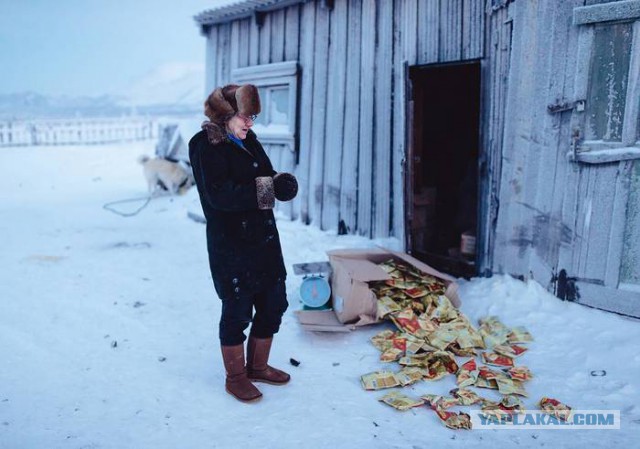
217,134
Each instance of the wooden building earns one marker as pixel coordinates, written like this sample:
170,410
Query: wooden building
436,121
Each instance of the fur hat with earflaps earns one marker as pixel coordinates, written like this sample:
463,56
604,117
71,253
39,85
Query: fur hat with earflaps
223,103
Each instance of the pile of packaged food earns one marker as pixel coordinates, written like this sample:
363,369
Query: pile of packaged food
430,333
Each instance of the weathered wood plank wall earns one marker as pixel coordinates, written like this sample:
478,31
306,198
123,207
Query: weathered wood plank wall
254,42
365,154
278,33
495,74
451,30
382,124
307,40
291,43
429,41
349,179
234,45
318,113
511,243
539,212
405,42
554,213
211,52
335,131
264,41
630,269
549,175
224,51
351,123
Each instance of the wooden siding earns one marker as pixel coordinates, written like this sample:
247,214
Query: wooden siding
318,114
351,131
450,30
254,43
630,266
365,153
224,52
211,80
349,163
305,103
335,130
382,123
556,214
539,211
429,31
495,74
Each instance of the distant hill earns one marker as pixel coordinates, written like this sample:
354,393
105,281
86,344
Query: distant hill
26,105
176,83
170,89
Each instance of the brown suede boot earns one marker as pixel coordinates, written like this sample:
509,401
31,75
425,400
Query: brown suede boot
257,357
237,383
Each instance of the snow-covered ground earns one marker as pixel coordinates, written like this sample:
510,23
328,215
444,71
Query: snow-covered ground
108,332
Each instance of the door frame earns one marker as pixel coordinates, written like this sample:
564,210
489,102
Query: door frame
484,223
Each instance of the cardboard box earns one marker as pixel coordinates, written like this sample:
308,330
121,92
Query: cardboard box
354,304
423,215
424,208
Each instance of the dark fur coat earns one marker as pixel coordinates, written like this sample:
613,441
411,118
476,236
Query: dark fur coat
242,239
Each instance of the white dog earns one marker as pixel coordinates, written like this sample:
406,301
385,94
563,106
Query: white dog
167,175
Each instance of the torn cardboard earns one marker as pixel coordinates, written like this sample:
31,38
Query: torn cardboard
354,303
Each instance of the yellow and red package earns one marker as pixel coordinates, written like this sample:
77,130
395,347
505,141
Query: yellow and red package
519,335
467,374
391,355
461,352
400,401
487,373
466,397
511,351
509,405
437,402
520,373
486,378
509,386
383,340
454,420
379,380
409,375
407,321
491,358
416,292
555,408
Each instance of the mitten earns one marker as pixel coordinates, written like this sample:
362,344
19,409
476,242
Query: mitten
285,186
264,192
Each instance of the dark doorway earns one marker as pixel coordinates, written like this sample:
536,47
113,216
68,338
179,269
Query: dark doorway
442,180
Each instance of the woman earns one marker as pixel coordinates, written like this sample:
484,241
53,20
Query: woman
238,187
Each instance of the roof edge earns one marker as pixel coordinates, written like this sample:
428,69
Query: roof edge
241,10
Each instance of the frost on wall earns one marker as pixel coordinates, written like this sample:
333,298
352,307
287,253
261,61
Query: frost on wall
630,269
608,85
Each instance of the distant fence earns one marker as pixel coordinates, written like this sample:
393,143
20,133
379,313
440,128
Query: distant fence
76,131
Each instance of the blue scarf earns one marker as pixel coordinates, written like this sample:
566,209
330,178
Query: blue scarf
236,140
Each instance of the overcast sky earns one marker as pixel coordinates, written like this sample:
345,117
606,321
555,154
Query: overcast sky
93,47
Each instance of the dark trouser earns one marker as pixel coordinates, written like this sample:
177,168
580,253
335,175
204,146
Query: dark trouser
237,312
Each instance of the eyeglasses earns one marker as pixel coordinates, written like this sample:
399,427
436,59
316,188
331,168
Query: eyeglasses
252,117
